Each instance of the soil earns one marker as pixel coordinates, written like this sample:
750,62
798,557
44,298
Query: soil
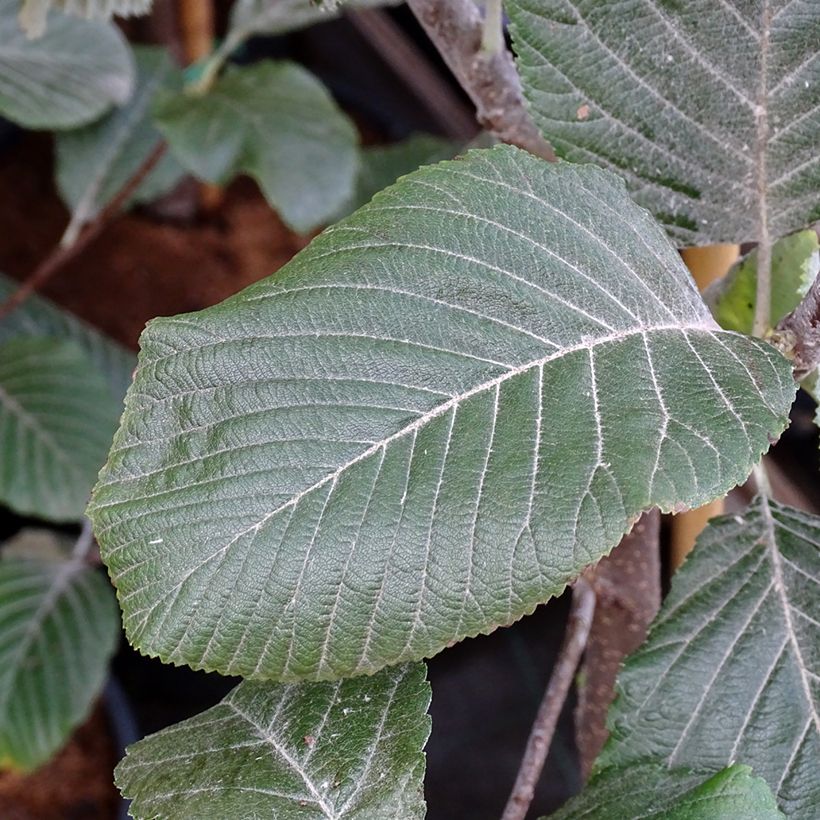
141,266
53,792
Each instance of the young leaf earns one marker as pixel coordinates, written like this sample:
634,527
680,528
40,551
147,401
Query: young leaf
710,112
347,750
95,162
795,264
57,416
647,790
426,424
58,630
66,78
731,669
276,122
34,13
40,317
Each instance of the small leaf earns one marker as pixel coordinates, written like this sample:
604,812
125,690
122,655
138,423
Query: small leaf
731,669
57,416
66,78
275,122
34,13
58,630
38,316
795,264
347,750
646,790
709,110
95,162
423,426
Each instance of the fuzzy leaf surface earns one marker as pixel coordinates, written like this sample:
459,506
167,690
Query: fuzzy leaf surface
57,416
95,162
426,424
710,110
58,630
351,750
33,15
275,122
68,77
731,669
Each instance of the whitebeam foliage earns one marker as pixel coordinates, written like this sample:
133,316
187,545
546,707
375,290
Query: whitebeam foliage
710,110
350,750
427,423
731,669
34,13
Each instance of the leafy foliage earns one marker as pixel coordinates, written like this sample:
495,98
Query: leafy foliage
731,670
95,162
40,317
719,142
58,630
346,750
68,77
57,416
795,264
34,13
423,426
646,790
276,122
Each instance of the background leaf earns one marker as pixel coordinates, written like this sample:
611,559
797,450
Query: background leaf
427,423
58,630
68,77
731,669
795,264
347,750
646,790
95,162
275,122
34,13
38,316
57,416
710,111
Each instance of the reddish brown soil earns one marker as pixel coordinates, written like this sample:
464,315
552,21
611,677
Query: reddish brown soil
75,785
141,266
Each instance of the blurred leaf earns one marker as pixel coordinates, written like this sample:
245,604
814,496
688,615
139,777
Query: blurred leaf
57,417
795,264
423,426
95,162
38,316
275,122
710,110
68,77
731,669
59,627
347,750
34,13
647,790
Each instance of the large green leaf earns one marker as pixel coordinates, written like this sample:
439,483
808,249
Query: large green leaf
427,423
57,416
710,110
276,122
34,13
58,630
352,749
95,162
647,790
68,77
795,264
731,669
40,317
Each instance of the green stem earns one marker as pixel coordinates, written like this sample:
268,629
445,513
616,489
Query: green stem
492,39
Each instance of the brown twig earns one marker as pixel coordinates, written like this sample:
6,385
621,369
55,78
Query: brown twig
627,586
799,333
63,252
543,728
489,77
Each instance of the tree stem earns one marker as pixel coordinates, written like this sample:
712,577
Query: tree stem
538,744
492,38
